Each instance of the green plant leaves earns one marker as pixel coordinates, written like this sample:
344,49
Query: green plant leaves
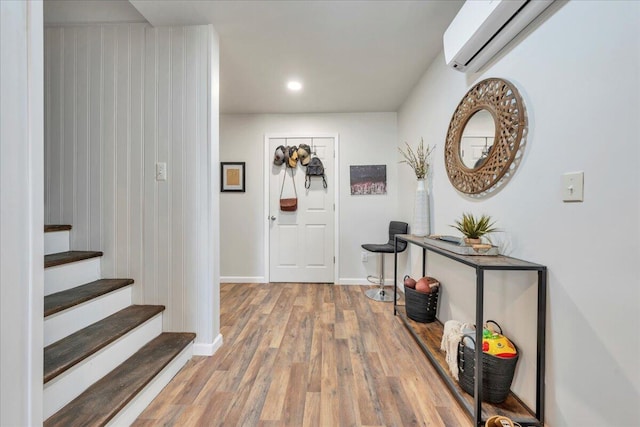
473,227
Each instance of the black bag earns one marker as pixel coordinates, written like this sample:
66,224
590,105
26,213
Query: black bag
315,168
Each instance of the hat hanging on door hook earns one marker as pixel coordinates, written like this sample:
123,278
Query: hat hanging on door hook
292,159
304,154
279,155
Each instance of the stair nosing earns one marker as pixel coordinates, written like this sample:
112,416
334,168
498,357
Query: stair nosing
105,286
58,419
148,312
67,257
52,228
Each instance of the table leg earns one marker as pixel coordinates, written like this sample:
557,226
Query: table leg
477,413
540,361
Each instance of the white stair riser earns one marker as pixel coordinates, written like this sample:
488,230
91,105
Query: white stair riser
67,386
67,276
56,241
129,413
59,325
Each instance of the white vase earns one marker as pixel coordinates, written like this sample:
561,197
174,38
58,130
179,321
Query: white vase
420,226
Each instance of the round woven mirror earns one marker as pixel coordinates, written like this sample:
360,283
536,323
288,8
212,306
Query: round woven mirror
480,161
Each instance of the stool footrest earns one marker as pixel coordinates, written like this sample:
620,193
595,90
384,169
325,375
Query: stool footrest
376,280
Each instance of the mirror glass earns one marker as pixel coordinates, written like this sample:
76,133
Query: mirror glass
477,139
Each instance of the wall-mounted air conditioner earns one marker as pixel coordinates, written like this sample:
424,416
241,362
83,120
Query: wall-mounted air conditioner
483,27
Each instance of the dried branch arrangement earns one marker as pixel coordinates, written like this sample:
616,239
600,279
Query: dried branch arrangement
418,160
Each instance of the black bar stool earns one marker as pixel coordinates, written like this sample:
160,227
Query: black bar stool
395,227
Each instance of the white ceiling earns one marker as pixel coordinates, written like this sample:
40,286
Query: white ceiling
350,55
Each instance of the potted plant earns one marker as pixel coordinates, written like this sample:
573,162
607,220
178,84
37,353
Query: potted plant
419,162
474,228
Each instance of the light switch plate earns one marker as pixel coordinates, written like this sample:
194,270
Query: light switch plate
573,187
161,171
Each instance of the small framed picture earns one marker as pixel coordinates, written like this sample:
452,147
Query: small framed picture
232,176
368,179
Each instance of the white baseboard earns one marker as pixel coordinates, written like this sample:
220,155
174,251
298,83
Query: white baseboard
362,282
241,279
207,349
342,281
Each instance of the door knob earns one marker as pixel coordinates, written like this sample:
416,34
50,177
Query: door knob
273,218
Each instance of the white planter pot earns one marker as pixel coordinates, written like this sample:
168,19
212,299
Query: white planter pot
420,226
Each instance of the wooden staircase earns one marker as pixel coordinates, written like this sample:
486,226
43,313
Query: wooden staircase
104,358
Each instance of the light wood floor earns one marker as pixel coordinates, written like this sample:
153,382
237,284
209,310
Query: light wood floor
306,355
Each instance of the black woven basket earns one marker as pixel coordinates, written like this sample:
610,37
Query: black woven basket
497,372
421,307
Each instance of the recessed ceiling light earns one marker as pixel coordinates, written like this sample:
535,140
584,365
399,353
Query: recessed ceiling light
294,85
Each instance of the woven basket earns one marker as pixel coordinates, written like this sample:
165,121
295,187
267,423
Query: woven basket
421,307
497,372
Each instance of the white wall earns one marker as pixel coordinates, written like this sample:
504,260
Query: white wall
579,73
120,98
65,12
21,207
365,138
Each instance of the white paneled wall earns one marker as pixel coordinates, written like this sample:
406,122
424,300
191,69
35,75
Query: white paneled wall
118,99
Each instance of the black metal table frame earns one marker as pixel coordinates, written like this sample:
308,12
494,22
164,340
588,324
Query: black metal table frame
476,411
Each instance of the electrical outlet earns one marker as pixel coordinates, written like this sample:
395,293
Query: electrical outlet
161,171
364,256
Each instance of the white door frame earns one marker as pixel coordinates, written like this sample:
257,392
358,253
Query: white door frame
268,158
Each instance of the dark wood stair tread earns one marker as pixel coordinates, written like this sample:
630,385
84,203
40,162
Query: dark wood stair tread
104,399
63,300
67,257
49,228
72,349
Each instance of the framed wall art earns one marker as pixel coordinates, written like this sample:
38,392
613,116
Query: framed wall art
368,179
232,177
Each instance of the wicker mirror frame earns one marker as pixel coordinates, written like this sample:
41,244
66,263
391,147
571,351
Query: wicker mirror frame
503,101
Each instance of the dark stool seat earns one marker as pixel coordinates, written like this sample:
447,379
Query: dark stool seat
386,248
395,227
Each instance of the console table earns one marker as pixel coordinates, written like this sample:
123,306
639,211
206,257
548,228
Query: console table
428,335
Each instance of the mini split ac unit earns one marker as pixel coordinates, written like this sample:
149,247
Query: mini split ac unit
483,27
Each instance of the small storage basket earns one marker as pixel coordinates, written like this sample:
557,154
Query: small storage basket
421,307
497,372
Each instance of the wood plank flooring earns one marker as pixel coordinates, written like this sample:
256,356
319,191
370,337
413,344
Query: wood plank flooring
307,355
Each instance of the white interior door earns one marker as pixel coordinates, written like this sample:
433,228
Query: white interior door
301,246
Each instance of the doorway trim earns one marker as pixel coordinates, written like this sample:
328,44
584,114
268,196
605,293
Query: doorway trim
268,158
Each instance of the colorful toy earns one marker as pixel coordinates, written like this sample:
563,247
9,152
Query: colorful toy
497,345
